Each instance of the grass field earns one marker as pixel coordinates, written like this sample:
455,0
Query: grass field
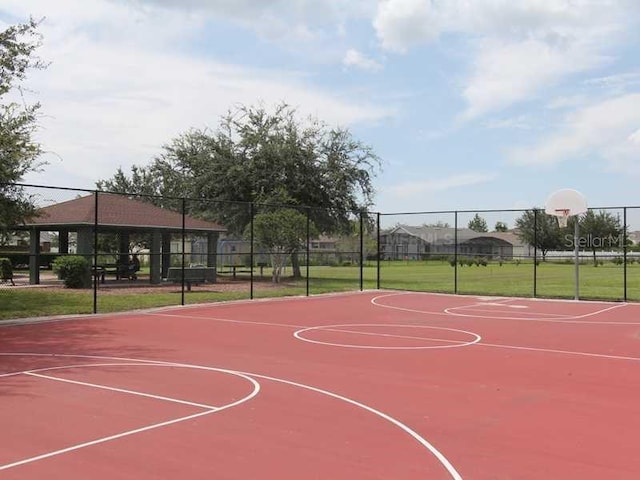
605,282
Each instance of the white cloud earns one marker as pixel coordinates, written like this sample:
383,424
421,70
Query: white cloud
607,130
505,73
278,20
521,122
119,86
353,58
425,187
517,48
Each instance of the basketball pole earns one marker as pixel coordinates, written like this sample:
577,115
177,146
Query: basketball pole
576,256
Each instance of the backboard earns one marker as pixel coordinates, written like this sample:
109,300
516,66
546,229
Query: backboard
564,204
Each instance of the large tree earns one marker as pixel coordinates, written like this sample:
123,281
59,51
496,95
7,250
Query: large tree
255,153
18,120
598,231
540,230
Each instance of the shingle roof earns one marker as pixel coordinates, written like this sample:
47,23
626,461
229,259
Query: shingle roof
117,211
435,235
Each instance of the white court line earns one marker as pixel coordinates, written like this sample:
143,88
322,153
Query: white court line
332,328
122,390
391,335
472,309
562,352
10,374
255,391
104,439
574,319
303,328
412,433
227,320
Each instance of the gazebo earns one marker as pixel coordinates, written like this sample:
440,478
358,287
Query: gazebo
102,213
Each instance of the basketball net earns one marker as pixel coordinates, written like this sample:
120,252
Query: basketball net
563,216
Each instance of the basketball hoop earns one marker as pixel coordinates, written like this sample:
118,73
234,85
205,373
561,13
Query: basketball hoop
564,204
563,216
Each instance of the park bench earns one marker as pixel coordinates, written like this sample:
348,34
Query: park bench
120,271
192,275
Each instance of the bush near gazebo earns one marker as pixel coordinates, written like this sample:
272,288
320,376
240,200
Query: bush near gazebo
74,271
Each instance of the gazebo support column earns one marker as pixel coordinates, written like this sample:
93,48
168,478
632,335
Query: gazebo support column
34,256
155,269
85,242
63,241
123,248
166,253
212,252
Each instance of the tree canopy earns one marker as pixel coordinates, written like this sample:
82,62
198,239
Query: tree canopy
599,230
501,227
252,154
478,224
18,151
539,230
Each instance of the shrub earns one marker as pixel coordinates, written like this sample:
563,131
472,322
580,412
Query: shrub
6,269
74,271
452,261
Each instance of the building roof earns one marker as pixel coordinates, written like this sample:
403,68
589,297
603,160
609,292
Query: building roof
116,211
439,235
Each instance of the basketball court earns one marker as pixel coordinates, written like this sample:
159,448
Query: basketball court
372,385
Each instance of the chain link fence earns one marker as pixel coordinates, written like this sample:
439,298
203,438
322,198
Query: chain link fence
89,251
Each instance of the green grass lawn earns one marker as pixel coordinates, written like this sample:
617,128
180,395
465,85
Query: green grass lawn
553,280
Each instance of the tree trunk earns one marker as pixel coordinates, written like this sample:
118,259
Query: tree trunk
595,259
295,265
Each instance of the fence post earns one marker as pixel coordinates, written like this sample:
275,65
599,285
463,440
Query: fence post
378,253
184,220
308,233
361,250
95,252
455,252
251,213
535,252
624,252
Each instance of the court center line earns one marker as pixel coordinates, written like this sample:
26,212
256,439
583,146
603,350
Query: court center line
250,322
392,335
122,390
228,320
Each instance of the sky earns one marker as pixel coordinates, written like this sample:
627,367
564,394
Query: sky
469,103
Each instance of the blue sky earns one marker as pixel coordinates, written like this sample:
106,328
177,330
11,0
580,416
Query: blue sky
469,104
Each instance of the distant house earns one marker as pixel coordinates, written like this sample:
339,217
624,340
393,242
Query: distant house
415,243
237,251
20,241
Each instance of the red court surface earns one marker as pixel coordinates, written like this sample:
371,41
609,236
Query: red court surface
373,385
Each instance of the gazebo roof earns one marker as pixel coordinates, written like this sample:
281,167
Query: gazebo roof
118,212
